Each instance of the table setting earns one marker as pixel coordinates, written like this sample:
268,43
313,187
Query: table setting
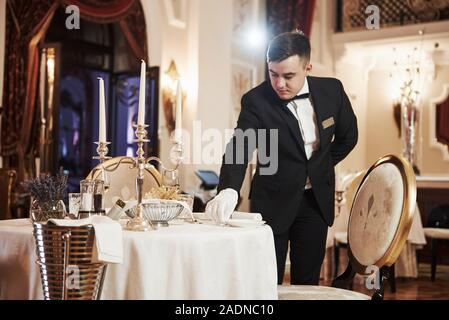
148,246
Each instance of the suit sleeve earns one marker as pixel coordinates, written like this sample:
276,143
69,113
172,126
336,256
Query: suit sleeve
240,148
346,132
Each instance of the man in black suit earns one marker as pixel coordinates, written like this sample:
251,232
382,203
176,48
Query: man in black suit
316,129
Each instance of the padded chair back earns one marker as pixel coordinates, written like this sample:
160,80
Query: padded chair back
7,179
379,223
439,217
382,213
122,179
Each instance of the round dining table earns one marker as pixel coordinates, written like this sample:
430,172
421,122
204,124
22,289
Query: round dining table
184,261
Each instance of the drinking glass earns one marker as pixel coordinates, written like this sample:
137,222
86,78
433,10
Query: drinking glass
187,198
74,203
99,191
170,178
87,188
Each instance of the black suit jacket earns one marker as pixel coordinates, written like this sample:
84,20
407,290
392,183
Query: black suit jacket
277,197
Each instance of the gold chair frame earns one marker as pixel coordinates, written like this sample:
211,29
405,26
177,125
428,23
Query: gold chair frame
390,256
112,164
406,219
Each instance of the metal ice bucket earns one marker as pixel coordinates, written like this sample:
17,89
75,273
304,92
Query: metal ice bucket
64,255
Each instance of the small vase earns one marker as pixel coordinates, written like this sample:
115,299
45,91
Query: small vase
42,212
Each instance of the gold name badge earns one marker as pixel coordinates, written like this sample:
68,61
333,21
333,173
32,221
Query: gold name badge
328,122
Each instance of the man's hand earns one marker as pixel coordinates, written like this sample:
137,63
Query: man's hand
222,206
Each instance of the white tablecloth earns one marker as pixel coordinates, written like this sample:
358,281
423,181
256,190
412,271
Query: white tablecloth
183,261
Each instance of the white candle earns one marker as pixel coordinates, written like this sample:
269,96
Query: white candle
102,114
141,112
42,82
178,125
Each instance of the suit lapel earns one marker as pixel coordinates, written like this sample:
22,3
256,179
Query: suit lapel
288,117
293,125
317,105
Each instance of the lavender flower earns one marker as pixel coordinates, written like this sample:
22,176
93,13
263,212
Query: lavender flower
47,190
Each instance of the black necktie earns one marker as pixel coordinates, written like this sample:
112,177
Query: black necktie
298,97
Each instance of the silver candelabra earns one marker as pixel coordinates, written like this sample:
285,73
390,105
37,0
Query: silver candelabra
138,222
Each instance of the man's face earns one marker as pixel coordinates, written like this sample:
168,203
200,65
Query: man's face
287,76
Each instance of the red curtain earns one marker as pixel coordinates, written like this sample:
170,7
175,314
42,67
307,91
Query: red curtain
128,13
26,25
135,31
287,15
106,11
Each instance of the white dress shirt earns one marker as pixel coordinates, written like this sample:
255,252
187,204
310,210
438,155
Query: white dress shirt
303,110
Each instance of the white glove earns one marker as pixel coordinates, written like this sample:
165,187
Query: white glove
220,208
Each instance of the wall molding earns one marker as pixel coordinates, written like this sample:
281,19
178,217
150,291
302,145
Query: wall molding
176,13
433,142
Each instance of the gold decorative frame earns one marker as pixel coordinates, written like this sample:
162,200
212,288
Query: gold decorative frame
244,77
177,12
406,219
245,17
393,13
433,140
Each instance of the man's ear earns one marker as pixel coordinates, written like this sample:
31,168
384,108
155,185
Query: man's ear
308,68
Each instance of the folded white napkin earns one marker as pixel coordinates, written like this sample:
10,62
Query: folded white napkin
108,237
201,216
235,215
246,215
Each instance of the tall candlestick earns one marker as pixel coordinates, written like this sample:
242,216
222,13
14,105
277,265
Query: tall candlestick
42,82
102,114
141,114
178,125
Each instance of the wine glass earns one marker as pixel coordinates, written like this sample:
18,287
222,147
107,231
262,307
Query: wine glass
170,178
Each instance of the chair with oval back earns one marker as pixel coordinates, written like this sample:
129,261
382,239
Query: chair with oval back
122,179
379,223
437,230
341,237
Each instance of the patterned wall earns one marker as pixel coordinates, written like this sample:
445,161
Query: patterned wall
352,14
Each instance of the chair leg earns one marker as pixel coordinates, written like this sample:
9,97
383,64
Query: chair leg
434,249
336,258
392,279
384,274
345,280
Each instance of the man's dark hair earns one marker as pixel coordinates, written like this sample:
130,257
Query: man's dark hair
289,44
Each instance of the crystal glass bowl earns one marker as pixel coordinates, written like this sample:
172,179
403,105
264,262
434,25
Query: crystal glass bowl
156,211
159,212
